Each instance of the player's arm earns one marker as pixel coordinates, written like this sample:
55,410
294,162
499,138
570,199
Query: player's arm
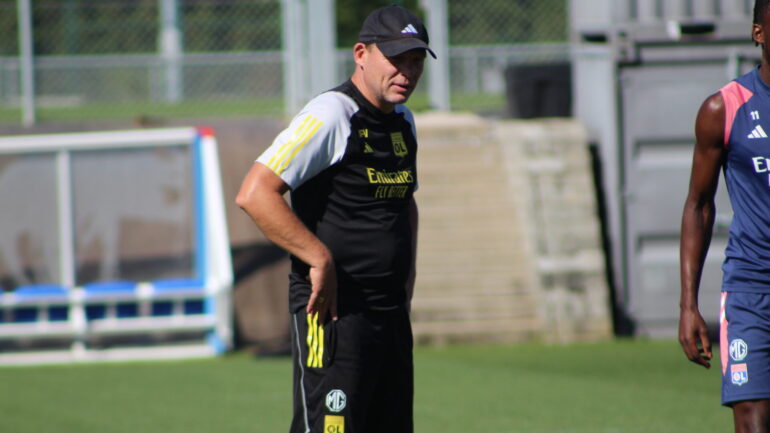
697,224
261,196
414,222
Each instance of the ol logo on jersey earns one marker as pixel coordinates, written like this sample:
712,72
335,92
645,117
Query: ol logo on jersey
399,145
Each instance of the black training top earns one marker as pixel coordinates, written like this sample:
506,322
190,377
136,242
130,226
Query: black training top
352,172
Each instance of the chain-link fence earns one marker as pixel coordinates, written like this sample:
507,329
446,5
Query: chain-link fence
118,59
493,45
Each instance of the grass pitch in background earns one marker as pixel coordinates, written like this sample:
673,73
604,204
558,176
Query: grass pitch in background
622,386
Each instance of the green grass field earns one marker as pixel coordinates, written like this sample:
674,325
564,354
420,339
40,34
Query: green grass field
618,387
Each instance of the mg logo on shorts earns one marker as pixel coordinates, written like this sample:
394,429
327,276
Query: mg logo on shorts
335,400
738,349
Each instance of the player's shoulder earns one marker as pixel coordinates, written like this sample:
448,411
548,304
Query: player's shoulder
738,91
331,107
730,97
710,123
712,110
714,103
406,112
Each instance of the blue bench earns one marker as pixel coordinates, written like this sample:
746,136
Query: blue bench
178,285
110,291
31,298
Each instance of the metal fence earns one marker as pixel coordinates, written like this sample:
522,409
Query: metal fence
118,59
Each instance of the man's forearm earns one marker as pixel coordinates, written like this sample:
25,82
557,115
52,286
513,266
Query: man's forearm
695,239
281,226
261,197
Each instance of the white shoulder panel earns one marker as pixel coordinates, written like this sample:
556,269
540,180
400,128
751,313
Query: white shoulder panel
315,139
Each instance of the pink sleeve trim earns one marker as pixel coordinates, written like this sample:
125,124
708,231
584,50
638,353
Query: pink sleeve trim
734,96
723,338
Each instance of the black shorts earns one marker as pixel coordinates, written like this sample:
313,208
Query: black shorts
354,375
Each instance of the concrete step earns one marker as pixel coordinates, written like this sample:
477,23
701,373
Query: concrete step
487,184
456,212
473,304
471,314
479,262
477,283
478,331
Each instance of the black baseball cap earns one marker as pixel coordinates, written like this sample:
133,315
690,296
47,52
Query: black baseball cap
395,30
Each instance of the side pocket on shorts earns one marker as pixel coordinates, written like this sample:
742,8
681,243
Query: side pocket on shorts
330,336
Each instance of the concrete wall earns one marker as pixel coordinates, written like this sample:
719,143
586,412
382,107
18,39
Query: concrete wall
509,245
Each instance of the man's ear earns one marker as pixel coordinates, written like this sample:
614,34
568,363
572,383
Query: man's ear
757,34
359,53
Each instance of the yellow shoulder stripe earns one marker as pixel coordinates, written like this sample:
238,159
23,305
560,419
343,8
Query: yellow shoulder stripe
304,132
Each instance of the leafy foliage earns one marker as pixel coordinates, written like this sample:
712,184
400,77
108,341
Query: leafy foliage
506,22
352,13
232,25
93,27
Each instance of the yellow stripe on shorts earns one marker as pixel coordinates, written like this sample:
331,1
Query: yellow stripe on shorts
315,342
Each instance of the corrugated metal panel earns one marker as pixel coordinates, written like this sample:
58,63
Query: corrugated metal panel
667,57
661,20
659,105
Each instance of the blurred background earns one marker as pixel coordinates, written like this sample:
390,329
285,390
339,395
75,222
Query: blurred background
181,58
555,136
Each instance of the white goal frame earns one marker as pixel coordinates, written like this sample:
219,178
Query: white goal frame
211,288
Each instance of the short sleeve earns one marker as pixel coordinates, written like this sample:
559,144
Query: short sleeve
314,141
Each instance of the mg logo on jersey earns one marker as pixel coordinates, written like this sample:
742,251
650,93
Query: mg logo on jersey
738,349
399,145
335,400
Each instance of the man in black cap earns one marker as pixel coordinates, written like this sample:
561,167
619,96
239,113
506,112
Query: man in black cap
348,159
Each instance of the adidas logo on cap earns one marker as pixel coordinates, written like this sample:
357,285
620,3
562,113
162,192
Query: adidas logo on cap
410,29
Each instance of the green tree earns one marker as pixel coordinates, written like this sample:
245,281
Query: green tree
74,27
232,25
507,21
352,13
92,27
9,43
